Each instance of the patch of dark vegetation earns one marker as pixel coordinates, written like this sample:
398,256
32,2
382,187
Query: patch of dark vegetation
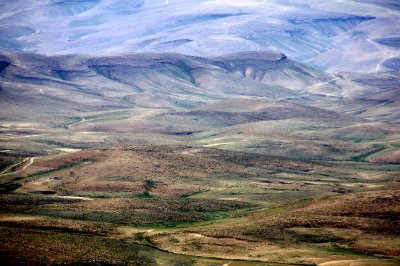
57,228
341,249
41,173
314,238
8,188
47,192
118,217
364,156
19,203
31,200
118,178
210,205
63,145
5,163
144,195
149,184
384,215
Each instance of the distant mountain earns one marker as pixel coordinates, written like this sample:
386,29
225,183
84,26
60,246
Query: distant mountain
260,102
68,84
147,80
335,35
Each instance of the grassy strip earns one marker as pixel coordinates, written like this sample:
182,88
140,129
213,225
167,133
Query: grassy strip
62,145
67,166
364,156
147,219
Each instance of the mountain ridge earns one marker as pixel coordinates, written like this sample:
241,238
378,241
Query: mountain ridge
306,30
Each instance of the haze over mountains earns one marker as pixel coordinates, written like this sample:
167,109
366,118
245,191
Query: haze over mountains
200,133
206,99
334,35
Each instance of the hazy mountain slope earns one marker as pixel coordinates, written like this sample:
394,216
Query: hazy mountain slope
146,80
320,31
370,46
172,81
239,111
257,102
272,68
372,96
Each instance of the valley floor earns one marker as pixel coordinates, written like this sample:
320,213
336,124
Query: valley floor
182,205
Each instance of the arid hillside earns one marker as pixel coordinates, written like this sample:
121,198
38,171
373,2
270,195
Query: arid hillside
166,159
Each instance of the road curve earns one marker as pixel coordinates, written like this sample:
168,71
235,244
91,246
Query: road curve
30,161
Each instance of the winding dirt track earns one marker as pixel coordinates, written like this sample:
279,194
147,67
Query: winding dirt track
304,91
30,161
76,123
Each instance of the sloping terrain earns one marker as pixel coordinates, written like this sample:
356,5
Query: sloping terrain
168,159
140,80
162,205
338,35
258,102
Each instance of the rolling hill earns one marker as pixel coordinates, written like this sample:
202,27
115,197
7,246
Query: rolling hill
242,159
261,102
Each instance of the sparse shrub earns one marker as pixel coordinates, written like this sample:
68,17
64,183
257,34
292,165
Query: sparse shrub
145,194
139,236
174,240
149,184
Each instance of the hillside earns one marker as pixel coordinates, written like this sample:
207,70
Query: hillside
173,95
145,80
338,35
245,159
